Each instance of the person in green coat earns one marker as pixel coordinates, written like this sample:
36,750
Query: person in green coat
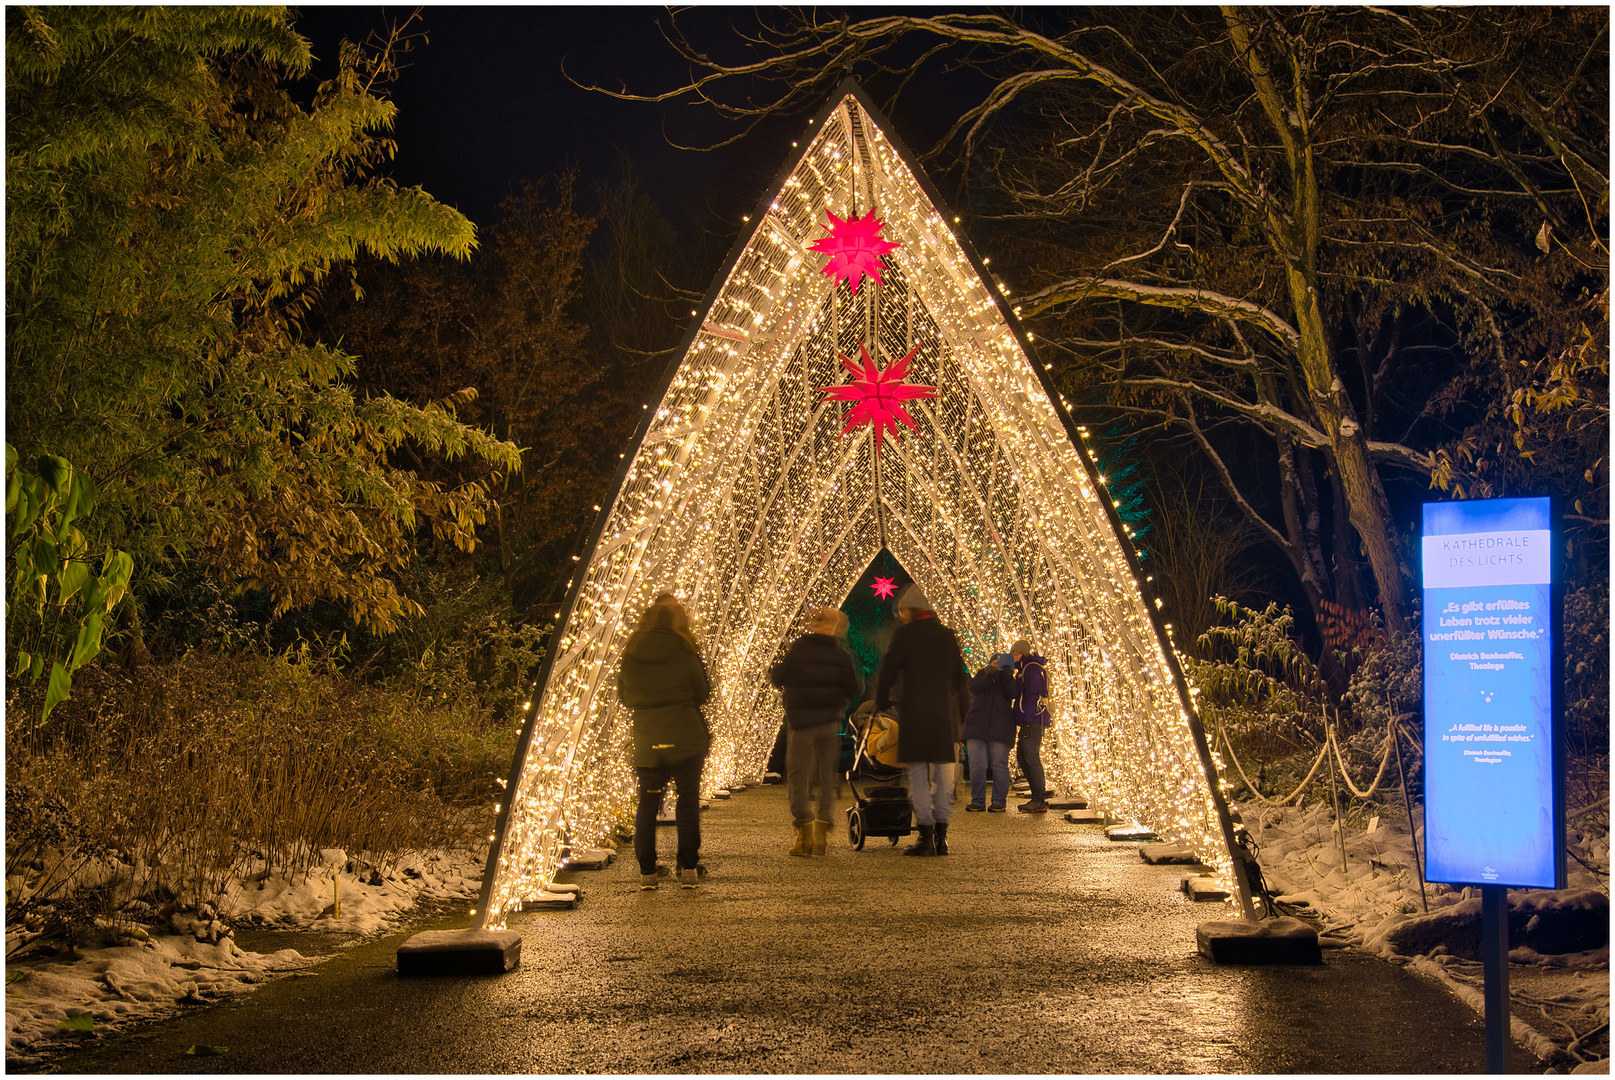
664,681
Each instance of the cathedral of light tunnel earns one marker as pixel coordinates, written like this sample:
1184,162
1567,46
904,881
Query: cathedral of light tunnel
856,383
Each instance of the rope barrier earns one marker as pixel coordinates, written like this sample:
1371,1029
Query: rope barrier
1385,759
1332,742
1324,750
1329,743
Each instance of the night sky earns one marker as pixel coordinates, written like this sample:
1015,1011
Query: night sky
485,103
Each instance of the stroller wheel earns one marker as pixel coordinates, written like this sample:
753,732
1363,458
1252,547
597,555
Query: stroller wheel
855,829
892,840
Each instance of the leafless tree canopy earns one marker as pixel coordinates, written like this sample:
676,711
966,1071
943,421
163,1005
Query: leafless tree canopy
1371,237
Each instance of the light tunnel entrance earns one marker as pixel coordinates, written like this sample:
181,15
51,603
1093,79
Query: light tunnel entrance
753,493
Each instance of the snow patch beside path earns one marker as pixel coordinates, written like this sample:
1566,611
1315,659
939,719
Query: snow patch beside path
372,900
138,973
1375,904
120,983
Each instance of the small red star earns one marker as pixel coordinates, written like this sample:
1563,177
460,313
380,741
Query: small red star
855,247
879,394
884,587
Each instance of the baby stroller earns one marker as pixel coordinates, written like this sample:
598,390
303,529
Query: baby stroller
883,809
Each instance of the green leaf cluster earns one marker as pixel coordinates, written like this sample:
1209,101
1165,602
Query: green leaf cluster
172,212
1258,678
61,589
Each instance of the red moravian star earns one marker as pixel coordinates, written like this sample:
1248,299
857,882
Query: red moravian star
855,247
879,394
884,587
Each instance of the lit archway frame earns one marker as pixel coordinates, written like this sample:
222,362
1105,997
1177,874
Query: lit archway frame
742,496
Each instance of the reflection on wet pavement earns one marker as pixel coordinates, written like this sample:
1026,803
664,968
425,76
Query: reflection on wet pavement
1036,947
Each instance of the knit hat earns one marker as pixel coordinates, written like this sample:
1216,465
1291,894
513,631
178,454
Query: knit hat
912,597
1022,647
827,620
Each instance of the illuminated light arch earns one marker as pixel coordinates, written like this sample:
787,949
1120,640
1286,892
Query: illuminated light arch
742,496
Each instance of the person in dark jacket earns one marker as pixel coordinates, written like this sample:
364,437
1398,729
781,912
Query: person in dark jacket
990,731
1031,721
926,657
664,681
819,682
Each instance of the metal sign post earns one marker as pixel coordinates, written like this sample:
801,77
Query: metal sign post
1494,970
1494,758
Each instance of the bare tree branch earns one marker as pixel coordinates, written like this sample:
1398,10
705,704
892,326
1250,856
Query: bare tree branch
1227,478
1202,301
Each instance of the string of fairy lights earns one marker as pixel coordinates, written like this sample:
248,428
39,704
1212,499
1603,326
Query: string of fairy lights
746,501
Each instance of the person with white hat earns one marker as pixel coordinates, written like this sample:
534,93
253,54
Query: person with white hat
925,656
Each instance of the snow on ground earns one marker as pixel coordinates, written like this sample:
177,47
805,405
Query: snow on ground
133,972
123,981
1559,996
371,899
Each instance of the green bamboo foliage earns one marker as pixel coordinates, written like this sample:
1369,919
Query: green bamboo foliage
61,590
171,213
1257,676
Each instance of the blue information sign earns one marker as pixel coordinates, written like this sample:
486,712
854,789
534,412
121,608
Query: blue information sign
1492,805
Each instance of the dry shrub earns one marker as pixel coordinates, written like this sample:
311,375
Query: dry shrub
213,768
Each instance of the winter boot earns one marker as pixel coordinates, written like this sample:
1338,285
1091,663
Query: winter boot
802,840
942,838
926,844
821,836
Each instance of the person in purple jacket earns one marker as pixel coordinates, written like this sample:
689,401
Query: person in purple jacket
990,731
1031,709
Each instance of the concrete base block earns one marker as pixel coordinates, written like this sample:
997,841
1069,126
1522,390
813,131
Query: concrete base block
590,859
1069,802
565,887
1201,888
550,900
1167,855
1272,941
460,952
1087,817
1131,834
720,794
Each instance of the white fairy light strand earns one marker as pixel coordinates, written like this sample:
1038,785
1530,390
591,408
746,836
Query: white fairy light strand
744,499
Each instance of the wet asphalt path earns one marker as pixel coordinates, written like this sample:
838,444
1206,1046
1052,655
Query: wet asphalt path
1036,947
